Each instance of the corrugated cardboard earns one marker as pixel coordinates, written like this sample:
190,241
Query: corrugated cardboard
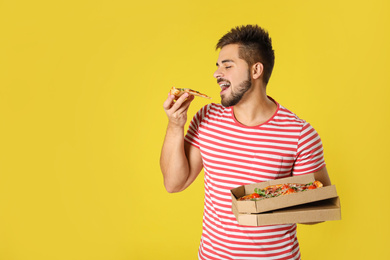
319,211
326,192
317,205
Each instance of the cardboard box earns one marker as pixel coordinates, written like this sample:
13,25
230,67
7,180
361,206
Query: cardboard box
319,211
309,206
326,192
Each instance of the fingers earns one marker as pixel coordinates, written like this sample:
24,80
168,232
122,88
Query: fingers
179,102
184,107
185,104
168,103
174,106
177,111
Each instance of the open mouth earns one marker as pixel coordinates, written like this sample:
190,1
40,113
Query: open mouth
224,86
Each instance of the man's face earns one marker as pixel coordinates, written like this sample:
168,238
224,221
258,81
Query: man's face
232,75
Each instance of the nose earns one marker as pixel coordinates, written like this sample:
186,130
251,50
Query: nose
218,73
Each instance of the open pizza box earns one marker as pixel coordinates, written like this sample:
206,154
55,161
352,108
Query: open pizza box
316,205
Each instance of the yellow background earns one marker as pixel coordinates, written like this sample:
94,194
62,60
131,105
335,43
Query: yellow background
81,120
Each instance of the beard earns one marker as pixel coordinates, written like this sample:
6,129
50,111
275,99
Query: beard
237,95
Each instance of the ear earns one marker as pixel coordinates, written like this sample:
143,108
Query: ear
257,70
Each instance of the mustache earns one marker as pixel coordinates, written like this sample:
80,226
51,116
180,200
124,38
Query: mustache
222,79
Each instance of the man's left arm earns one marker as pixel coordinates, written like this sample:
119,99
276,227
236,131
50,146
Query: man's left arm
310,156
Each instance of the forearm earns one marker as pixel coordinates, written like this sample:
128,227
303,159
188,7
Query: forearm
173,161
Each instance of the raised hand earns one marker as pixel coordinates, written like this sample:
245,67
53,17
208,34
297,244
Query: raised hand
177,110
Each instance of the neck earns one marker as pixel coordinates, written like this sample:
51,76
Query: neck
255,107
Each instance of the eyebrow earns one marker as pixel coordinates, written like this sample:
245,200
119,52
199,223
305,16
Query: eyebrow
224,61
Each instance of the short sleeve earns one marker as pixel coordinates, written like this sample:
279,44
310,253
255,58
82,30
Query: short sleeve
310,154
192,135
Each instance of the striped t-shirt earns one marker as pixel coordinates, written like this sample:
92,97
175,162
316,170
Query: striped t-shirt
234,154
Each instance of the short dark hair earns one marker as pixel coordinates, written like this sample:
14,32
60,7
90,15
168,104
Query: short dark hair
255,46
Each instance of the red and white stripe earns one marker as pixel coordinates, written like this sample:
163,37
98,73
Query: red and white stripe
234,155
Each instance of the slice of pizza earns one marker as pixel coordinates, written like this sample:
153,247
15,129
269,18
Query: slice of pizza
281,189
177,92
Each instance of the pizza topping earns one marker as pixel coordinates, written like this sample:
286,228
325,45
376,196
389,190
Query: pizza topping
281,189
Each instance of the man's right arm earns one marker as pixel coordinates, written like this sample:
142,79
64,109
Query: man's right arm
180,162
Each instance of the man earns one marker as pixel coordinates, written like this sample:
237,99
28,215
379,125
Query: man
247,138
